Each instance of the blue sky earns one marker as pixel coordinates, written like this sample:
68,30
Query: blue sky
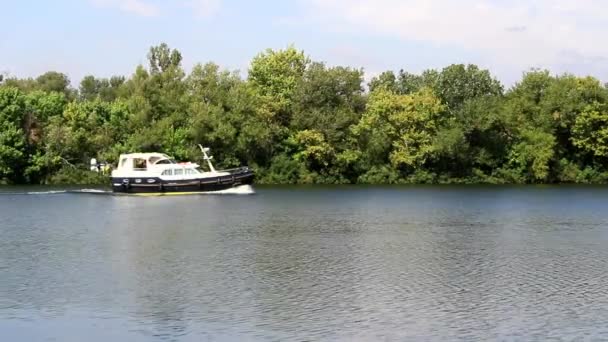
108,37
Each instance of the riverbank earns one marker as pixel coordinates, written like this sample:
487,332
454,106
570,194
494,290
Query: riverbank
299,121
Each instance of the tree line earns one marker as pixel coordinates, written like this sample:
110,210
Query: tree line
295,120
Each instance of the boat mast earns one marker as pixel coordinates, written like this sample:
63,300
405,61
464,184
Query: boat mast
206,157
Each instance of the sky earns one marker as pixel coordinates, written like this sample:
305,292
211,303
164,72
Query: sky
111,37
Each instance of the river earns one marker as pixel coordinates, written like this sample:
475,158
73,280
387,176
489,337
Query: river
306,264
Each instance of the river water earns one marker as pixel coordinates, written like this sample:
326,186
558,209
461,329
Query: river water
306,264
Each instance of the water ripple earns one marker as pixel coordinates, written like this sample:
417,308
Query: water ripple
307,264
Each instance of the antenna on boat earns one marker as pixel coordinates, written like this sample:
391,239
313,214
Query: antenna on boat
206,157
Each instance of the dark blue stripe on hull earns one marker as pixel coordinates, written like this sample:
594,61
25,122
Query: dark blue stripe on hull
155,185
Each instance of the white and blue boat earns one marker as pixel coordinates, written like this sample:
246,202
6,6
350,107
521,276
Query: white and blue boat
157,173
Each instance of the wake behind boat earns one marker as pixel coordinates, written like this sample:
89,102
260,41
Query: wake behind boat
158,173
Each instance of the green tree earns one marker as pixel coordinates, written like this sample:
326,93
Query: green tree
329,100
590,131
162,58
458,83
399,128
533,154
312,149
106,89
386,80
300,121
54,81
13,154
275,75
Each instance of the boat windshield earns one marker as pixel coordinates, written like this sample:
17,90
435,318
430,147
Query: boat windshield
164,161
192,171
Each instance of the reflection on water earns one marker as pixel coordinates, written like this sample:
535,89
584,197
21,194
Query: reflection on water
346,263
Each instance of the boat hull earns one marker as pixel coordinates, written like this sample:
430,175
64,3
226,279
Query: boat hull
135,185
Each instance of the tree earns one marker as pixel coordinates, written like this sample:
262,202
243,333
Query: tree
386,80
162,58
533,154
275,75
475,142
399,128
12,152
106,89
13,155
89,88
458,83
590,131
313,149
301,121
54,81
41,105
563,102
328,100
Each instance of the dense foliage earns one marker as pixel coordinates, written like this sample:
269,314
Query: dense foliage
299,121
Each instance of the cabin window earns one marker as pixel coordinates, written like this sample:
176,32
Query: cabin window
178,172
139,164
191,172
163,161
123,162
167,172
153,160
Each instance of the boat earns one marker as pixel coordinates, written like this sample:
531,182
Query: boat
157,173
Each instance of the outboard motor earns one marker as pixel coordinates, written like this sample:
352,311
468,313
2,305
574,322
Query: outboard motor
94,165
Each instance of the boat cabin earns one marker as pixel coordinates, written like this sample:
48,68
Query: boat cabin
143,161
153,165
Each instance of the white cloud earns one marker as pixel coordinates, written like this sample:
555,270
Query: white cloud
517,33
204,8
148,8
139,7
